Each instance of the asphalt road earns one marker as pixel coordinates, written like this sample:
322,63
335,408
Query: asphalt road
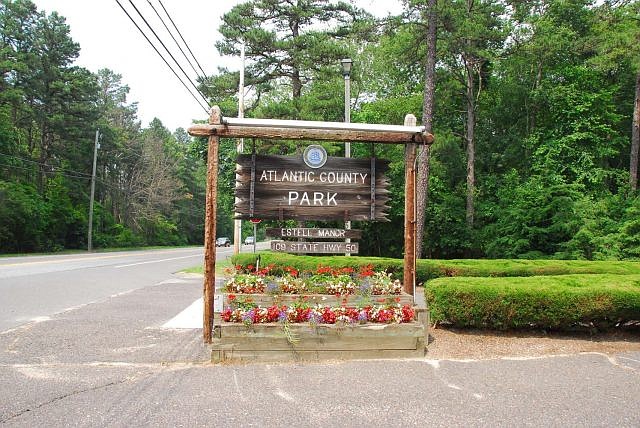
37,287
111,363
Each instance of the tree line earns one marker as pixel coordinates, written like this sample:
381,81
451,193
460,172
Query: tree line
535,106
150,181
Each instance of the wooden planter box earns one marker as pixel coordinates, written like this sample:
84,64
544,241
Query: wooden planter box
266,300
268,342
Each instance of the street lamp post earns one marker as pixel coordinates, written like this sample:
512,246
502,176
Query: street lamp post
346,72
237,224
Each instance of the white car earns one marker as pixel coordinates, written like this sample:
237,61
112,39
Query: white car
249,240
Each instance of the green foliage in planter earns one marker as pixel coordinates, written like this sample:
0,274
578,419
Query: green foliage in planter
428,269
550,302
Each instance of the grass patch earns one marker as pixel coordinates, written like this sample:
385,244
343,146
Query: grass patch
566,302
220,267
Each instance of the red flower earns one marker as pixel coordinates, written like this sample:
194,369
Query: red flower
226,315
385,315
323,270
302,314
328,317
408,314
272,313
352,313
291,271
231,297
250,267
366,270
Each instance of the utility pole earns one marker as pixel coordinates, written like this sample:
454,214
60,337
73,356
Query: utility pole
96,146
237,226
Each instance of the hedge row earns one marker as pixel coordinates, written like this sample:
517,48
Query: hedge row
562,302
430,269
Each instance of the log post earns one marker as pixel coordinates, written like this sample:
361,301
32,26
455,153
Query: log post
409,277
210,227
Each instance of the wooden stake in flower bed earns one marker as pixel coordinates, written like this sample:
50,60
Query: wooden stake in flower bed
300,130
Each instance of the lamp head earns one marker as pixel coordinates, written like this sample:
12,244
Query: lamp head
346,66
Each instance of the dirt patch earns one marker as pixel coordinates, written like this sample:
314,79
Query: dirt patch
449,343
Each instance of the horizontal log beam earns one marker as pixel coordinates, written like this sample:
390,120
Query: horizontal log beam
281,133
314,124
362,214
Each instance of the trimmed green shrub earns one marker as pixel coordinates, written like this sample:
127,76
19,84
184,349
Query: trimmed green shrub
549,302
430,269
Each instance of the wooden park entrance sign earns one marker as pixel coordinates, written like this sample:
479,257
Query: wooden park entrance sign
218,127
285,187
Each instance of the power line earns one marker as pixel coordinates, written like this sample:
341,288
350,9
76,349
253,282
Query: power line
174,40
183,41
162,57
167,50
44,164
57,172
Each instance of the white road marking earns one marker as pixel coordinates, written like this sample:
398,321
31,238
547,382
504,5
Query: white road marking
158,261
190,318
78,259
630,359
84,258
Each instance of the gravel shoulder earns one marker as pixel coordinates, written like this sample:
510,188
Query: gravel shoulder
449,343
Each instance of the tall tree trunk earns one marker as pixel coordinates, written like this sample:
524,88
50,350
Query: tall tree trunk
471,150
296,83
427,120
635,138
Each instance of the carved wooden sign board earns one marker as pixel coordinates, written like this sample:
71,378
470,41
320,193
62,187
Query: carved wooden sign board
314,233
315,247
287,188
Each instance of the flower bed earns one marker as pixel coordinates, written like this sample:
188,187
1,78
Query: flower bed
231,299
384,314
279,314
324,280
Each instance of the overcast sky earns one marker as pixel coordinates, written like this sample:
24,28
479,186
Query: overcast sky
108,39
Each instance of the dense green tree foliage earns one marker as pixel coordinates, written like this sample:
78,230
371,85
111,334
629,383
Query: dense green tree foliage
149,187
535,112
